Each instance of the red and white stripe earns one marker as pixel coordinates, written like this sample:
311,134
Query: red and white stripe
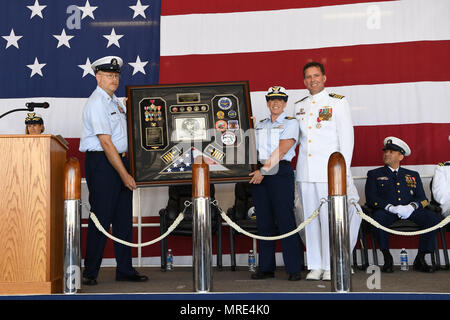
389,58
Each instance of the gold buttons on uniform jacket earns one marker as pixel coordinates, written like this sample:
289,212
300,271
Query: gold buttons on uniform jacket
309,141
398,191
309,127
309,154
398,183
311,114
399,199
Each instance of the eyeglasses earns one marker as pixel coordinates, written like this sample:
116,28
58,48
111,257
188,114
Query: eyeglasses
111,76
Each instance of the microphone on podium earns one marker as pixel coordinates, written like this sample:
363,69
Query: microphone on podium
32,105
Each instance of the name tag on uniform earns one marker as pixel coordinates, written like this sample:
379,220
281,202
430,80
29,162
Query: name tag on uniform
302,111
113,113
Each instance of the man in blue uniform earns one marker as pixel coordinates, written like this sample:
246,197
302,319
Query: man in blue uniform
397,193
273,187
104,139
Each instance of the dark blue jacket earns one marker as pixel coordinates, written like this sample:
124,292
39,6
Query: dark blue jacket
383,188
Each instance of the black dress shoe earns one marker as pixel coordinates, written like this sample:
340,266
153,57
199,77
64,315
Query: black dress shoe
421,265
388,266
132,278
89,281
262,275
295,276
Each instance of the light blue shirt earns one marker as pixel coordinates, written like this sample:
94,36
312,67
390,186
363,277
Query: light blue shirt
268,136
103,115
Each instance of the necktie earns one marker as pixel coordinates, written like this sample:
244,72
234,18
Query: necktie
395,173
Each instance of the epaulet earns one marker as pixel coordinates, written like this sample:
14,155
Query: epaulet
337,96
301,100
441,164
263,120
289,118
447,163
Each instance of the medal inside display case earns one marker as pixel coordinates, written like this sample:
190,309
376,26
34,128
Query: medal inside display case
171,125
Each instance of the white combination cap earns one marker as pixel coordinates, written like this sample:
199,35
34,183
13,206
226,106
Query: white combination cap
396,144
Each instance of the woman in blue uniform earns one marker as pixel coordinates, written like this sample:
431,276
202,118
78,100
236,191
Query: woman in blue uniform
34,124
274,186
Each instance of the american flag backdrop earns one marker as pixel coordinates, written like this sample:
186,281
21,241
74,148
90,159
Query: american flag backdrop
389,58
47,48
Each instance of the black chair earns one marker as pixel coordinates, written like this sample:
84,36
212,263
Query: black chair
178,194
239,214
363,229
405,226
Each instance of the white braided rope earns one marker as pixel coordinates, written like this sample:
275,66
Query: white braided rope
136,245
401,233
282,236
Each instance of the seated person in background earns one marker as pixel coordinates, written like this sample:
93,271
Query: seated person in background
441,186
397,193
34,124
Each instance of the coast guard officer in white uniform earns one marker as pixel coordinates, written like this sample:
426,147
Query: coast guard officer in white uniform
441,186
104,139
325,127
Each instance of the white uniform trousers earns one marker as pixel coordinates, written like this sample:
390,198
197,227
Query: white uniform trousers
316,235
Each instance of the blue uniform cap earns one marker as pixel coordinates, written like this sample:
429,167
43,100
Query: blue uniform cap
33,118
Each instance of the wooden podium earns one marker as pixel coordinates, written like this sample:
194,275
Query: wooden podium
31,214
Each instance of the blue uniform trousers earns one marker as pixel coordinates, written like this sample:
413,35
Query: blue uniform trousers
424,218
274,205
111,202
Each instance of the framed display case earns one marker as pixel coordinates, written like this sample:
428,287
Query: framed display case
171,125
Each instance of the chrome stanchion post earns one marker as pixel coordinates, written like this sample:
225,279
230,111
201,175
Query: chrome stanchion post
72,227
201,241
72,246
338,224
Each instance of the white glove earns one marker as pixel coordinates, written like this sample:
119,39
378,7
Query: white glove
405,211
445,208
392,209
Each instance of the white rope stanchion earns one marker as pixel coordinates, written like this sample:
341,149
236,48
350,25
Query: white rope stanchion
240,230
401,233
136,245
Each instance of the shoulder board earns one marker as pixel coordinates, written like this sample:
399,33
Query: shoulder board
441,164
447,163
289,118
263,120
300,100
337,96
